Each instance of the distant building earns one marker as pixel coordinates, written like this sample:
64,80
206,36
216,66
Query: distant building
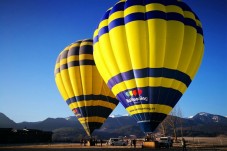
10,135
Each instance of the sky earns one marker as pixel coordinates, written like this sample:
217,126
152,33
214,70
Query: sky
34,32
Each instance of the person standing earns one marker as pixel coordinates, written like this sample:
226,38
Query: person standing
81,142
101,141
134,143
183,144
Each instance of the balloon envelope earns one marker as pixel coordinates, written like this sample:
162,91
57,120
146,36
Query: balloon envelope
82,87
148,52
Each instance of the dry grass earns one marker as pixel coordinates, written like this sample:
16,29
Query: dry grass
207,142
193,144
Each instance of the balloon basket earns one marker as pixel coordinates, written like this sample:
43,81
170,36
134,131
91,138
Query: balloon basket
150,144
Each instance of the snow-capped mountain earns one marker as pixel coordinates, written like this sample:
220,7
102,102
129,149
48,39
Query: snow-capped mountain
118,115
209,118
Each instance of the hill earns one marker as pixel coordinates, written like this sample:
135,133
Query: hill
6,122
202,124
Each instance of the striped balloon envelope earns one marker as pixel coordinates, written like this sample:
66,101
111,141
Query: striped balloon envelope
148,52
82,87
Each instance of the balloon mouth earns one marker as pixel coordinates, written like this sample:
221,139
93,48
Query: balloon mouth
148,126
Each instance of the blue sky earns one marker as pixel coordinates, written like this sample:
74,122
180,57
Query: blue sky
33,32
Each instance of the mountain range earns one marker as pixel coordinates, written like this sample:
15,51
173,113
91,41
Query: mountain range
202,124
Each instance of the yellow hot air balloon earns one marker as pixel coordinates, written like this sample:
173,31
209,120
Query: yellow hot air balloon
148,52
82,87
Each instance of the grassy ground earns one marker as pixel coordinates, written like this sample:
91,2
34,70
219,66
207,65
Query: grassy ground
193,144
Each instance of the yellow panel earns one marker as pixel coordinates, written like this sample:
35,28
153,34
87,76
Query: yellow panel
77,44
137,40
103,23
99,61
99,58
92,103
153,6
73,58
95,34
197,56
61,87
122,56
167,9
106,48
91,119
174,42
86,57
86,80
103,67
134,9
198,23
150,108
75,78
157,42
67,83
188,14
85,43
97,83
174,8
187,48
106,90
63,61
115,15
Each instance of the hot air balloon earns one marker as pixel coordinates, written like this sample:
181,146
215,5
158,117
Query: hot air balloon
148,52
82,87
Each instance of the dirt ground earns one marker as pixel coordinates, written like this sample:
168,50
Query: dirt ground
193,144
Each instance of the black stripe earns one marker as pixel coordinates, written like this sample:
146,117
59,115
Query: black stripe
81,62
92,97
58,59
199,30
64,54
130,3
103,30
86,49
190,22
155,95
149,72
133,17
76,50
117,7
89,111
115,23
73,51
106,15
63,67
73,64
